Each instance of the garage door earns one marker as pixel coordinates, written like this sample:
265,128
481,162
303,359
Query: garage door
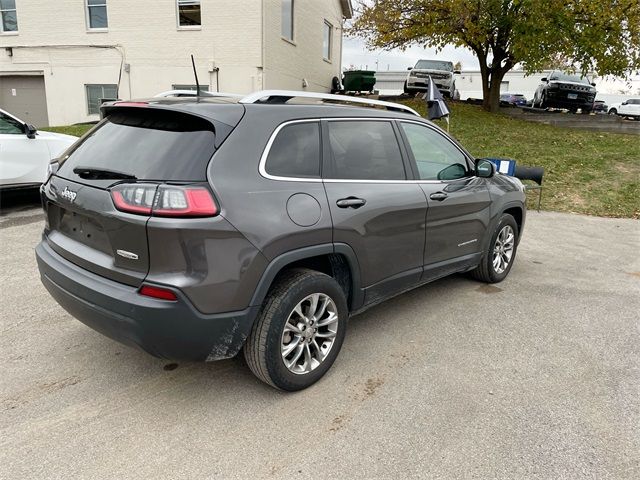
24,96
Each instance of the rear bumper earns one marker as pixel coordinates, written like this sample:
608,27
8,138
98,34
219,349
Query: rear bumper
171,330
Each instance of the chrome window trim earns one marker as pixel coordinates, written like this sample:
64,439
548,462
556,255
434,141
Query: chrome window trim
265,153
263,159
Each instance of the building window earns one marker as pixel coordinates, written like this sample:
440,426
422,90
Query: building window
327,40
97,93
9,16
287,20
97,14
189,13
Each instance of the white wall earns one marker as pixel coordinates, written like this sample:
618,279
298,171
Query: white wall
143,34
287,63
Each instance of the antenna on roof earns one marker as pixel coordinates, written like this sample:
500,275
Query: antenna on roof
195,74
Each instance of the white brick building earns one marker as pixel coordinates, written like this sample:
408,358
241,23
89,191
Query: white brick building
57,59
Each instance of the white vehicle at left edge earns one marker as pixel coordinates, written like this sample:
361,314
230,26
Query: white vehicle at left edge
25,152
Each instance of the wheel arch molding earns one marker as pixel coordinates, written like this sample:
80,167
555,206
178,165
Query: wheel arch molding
335,259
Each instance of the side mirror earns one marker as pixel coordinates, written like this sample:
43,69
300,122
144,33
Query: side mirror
457,72
30,131
544,79
452,172
593,84
485,168
409,68
624,103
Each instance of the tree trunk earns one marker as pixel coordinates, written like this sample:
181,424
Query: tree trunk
491,80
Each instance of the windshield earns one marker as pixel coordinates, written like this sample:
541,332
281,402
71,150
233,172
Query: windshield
434,65
146,144
564,77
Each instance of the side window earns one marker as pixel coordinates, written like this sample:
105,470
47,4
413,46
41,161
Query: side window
364,150
436,157
295,152
10,126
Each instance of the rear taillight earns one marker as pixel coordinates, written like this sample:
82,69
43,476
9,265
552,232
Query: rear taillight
134,198
164,200
158,292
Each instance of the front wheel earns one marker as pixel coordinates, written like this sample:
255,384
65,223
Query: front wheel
498,260
299,332
613,111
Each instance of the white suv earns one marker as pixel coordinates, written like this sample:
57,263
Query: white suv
441,71
628,108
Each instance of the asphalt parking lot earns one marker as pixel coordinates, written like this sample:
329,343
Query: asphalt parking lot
537,377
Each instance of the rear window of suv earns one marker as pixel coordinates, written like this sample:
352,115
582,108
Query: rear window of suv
148,144
295,152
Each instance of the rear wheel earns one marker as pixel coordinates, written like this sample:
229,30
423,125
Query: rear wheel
299,332
613,111
497,262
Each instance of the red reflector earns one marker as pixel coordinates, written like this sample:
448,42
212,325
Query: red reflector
157,292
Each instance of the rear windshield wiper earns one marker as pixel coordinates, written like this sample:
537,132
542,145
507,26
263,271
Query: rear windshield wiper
90,173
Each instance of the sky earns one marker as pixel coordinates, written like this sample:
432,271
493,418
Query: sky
355,53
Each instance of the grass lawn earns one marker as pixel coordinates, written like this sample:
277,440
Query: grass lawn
585,172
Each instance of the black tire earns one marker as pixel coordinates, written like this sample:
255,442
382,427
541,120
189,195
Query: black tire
335,85
262,350
485,272
613,111
543,102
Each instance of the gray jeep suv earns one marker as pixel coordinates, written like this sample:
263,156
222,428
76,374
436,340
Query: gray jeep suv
193,228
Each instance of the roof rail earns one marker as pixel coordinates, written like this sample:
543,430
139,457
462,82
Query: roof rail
281,96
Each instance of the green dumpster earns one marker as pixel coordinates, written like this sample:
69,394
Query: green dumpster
359,80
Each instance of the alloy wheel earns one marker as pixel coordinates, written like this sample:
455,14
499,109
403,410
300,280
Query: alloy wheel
503,249
309,333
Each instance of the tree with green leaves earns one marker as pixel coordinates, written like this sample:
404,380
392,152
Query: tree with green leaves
588,35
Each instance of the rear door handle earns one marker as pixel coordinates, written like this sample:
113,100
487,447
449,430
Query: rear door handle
439,196
351,202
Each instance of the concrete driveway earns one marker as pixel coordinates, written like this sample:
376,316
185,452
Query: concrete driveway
537,377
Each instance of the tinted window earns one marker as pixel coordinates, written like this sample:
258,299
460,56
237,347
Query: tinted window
152,145
364,150
295,151
9,125
436,157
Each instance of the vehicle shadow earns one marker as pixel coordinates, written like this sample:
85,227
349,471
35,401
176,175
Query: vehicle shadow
16,201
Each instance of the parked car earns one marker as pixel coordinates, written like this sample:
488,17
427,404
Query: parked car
25,152
196,228
600,107
628,108
441,71
562,90
516,99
